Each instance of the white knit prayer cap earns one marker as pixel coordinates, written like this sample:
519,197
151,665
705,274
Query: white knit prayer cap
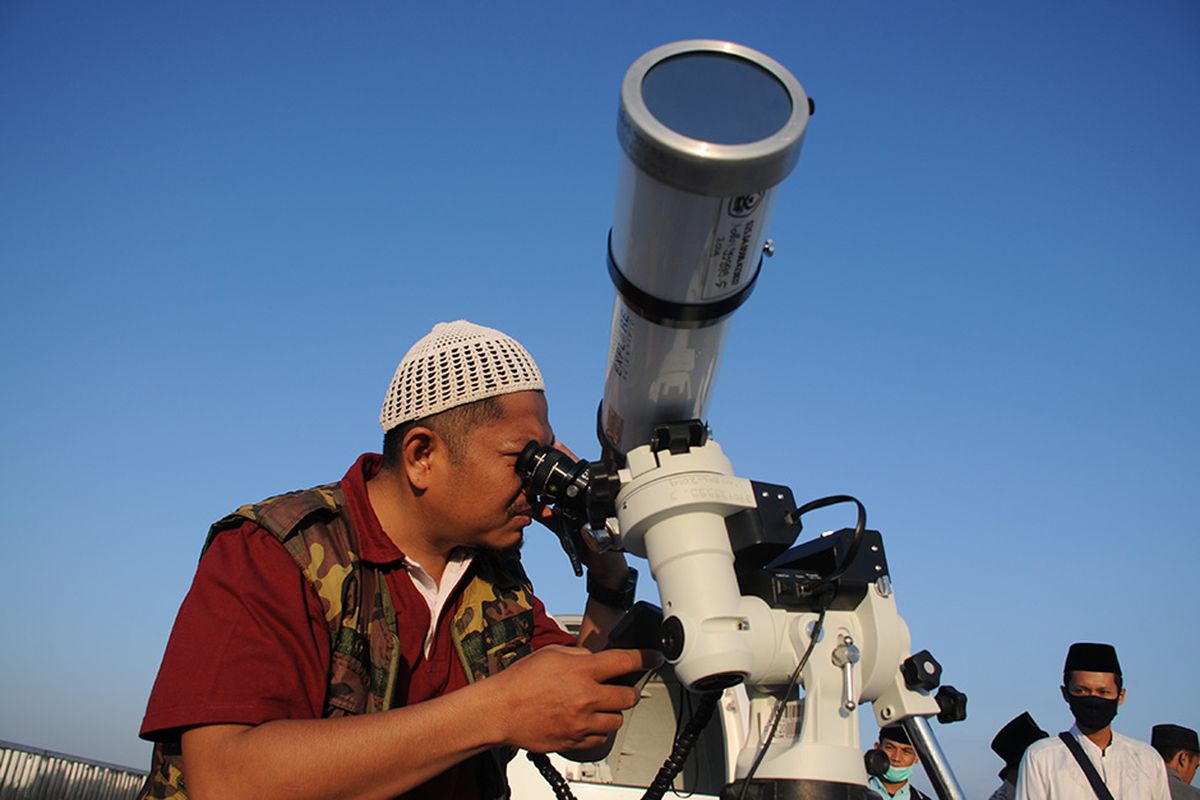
454,364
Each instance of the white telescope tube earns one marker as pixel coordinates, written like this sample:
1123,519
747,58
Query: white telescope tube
707,129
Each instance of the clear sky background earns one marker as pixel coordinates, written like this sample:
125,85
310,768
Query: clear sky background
222,224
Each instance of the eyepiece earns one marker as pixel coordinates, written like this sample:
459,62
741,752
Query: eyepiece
525,461
554,478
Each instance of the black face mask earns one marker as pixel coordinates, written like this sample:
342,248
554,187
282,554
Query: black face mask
1092,713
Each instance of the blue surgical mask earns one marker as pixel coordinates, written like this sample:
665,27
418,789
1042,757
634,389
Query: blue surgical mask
897,774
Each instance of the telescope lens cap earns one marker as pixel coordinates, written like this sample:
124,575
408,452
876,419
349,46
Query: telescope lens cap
716,97
711,118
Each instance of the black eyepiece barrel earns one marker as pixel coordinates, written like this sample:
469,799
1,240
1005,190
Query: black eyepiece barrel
553,477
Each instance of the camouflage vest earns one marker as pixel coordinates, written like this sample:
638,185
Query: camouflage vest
492,628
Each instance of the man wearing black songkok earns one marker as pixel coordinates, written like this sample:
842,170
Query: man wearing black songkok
1010,744
1180,750
1128,769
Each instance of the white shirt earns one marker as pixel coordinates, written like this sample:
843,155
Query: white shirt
435,594
1131,770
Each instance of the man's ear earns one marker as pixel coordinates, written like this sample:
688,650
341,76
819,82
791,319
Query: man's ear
417,452
1121,696
1066,697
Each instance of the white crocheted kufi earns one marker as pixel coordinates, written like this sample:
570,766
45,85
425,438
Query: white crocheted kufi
454,364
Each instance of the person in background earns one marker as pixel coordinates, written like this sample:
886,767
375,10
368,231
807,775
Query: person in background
1010,744
1180,751
902,756
1058,767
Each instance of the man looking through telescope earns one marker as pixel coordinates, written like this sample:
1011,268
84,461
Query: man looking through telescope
377,636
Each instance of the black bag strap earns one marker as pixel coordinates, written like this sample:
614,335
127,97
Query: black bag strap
1085,764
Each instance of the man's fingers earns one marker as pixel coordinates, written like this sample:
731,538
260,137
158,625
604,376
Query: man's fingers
562,448
614,698
565,649
587,743
609,723
576,703
611,663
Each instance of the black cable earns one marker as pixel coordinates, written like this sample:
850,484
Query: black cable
781,703
685,741
559,785
682,748
686,711
859,527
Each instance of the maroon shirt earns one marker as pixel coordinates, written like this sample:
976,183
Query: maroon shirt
250,643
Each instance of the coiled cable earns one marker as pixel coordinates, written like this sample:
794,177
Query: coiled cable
684,742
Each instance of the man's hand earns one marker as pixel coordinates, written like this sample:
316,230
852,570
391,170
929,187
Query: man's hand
554,699
608,569
558,699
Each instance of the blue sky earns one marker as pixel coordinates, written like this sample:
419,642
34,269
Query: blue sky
222,224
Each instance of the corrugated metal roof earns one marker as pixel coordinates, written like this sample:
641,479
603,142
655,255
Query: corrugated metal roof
28,773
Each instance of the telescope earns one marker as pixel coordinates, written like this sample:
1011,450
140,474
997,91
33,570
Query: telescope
708,131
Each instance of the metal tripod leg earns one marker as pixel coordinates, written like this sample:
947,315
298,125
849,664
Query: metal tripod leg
937,767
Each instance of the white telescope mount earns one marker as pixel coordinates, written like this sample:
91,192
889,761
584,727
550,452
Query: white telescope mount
741,605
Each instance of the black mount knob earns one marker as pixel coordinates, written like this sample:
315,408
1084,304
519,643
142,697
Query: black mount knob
953,705
921,671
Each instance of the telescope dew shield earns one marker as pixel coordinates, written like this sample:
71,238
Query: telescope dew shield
707,129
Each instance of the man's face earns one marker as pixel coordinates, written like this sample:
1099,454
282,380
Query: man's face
1094,684
898,753
479,495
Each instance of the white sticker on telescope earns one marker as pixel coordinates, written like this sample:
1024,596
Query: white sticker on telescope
736,245
789,723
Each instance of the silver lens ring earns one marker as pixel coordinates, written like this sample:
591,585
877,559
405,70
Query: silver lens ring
758,91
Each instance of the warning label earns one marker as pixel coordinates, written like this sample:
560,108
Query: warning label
734,252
